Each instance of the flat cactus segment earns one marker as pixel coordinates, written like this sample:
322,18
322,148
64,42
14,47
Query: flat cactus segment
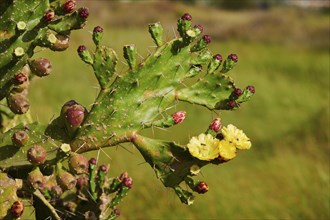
171,162
8,195
212,91
15,156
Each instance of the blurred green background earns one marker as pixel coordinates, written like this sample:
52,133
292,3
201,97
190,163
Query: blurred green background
283,51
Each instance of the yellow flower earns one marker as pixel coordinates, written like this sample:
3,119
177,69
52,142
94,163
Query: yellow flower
236,137
227,150
204,147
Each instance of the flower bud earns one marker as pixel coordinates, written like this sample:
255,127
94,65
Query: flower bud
78,164
92,161
128,182
103,168
237,92
97,35
20,138
202,43
215,125
200,27
232,104
83,12
214,64
84,54
66,180
229,63
69,6
36,179
184,24
37,155
202,188
186,17
18,103
21,78
251,89
178,117
49,15
41,67
17,209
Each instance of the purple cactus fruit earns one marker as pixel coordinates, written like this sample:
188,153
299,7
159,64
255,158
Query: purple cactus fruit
215,125
92,161
98,29
78,164
251,89
232,104
75,115
207,39
18,103
186,17
237,92
17,209
66,180
82,182
128,182
41,67
83,12
36,179
233,57
21,78
69,6
49,15
20,138
178,117
199,26
37,155
202,188
218,57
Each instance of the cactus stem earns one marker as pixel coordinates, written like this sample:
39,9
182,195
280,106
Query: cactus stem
40,196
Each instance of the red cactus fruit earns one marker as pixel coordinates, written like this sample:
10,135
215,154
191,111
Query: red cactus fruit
238,92
92,161
37,155
18,103
49,15
186,17
202,188
207,39
233,57
128,182
218,57
98,29
83,12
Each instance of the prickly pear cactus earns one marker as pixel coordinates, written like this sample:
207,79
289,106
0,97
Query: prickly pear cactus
48,160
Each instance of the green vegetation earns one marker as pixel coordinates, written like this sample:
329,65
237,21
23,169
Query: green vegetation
286,174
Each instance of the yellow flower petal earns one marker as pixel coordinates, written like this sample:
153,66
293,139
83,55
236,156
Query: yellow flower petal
204,147
227,150
236,137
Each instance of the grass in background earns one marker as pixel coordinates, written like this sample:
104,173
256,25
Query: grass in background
286,174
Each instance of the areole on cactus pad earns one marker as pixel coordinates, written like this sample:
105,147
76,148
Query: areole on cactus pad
150,88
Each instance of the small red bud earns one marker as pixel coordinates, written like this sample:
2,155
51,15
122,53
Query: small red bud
81,48
21,78
186,17
207,39
92,161
202,187
128,182
233,57
84,12
215,125
103,168
49,15
37,155
218,57
232,104
251,88
117,212
69,6
199,26
178,117
238,92
98,29
17,209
